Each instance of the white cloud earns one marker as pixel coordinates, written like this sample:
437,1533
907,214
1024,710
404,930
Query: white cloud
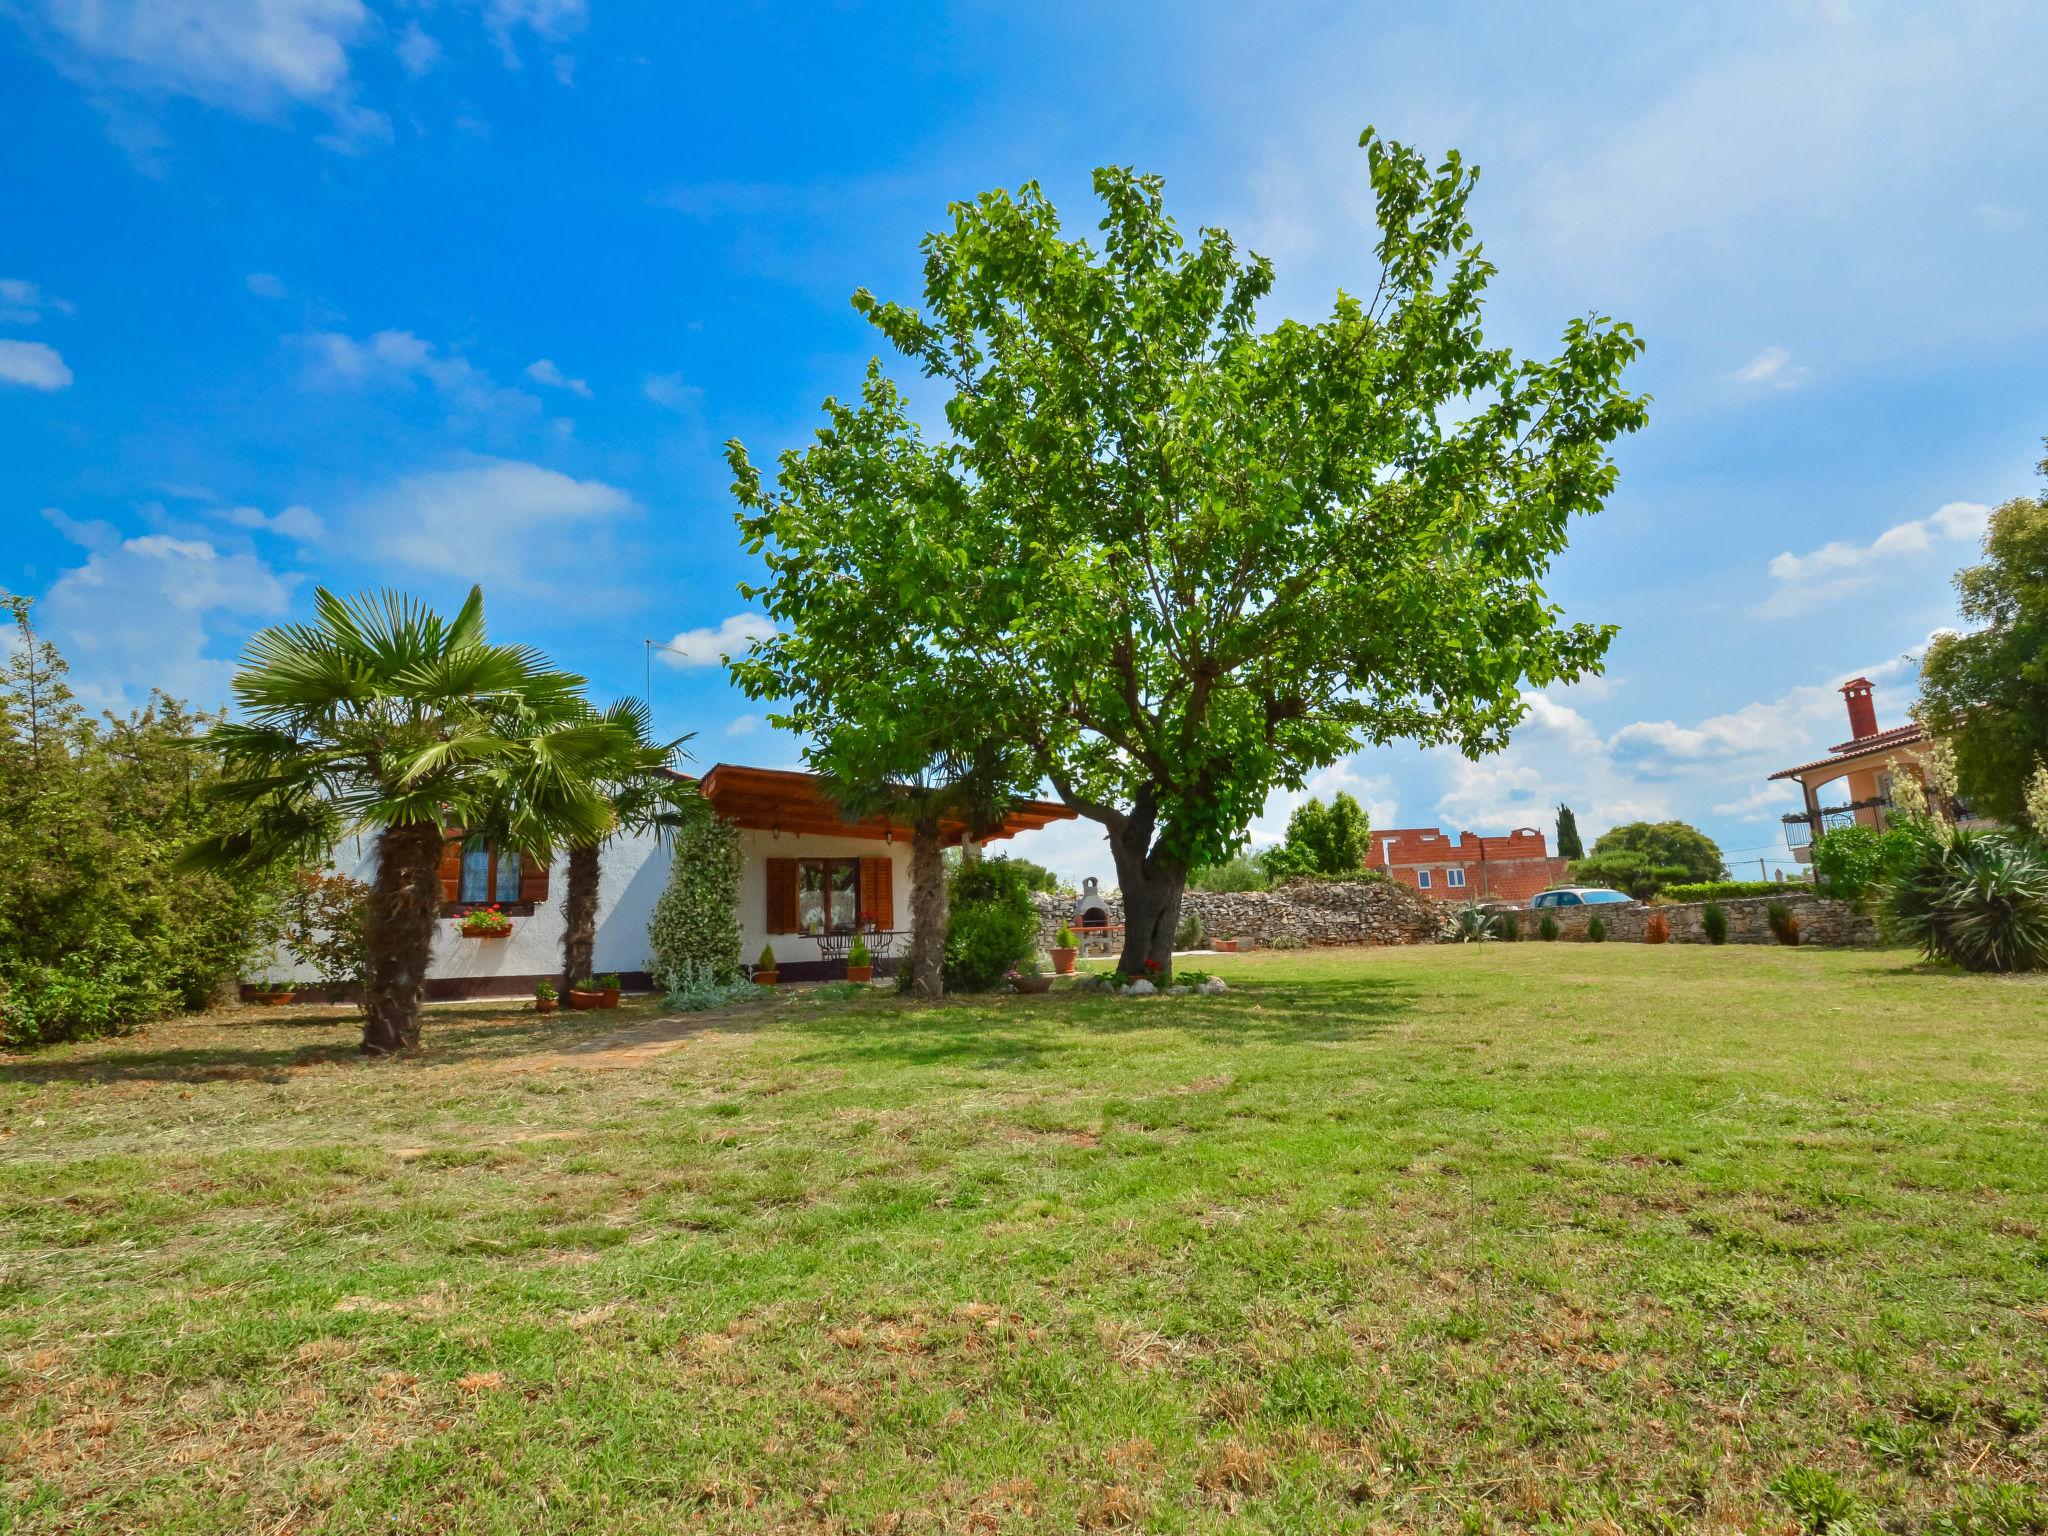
24,303
1772,368
401,357
265,285
504,522
744,725
417,51
141,613
1495,793
33,366
1837,569
300,524
669,391
708,647
545,372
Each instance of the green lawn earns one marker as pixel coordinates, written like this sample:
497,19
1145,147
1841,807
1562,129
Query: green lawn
1552,1237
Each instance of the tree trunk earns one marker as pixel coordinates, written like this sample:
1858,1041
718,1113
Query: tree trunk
579,915
404,903
927,911
1152,883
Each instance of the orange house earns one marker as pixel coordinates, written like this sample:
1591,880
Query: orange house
1469,867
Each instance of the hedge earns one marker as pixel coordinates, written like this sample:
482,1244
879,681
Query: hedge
1729,890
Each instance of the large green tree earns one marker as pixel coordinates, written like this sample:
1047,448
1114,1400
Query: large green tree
1183,558
1669,852
382,716
1986,692
1568,844
1323,839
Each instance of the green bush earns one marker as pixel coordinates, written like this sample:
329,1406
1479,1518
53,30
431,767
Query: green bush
103,992
1784,926
1546,930
1469,925
1852,863
1507,927
1732,890
1714,921
695,929
1192,932
1633,873
1238,874
991,924
1596,930
1979,899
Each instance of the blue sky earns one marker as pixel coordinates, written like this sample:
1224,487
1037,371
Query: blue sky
363,292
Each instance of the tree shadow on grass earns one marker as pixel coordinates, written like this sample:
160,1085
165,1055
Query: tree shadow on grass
1028,1032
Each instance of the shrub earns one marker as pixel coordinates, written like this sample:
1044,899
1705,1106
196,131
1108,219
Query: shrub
1238,874
991,924
1626,871
1596,930
1289,941
1064,939
1784,926
1714,920
1546,930
1979,899
1852,863
859,953
1656,929
324,925
1731,890
1192,932
1468,925
1507,927
695,929
104,992
692,989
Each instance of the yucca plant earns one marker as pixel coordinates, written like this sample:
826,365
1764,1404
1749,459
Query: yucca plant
1979,899
380,716
1470,925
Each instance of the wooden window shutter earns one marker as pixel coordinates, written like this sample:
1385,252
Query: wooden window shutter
533,879
878,892
782,895
451,869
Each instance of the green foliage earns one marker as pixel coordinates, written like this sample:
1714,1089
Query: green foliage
323,923
695,928
766,960
1663,845
1547,929
1819,1503
1064,939
859,953
1036,877
544,991
100,930
1596,930
2001,1509
1297,539
1508,926
991,924
1469,924
608,982
1192,932
1568,844
1322,839
1986,691
1979,899
1714,923
1238,873
693,986
1855,862
1622,870
1731,890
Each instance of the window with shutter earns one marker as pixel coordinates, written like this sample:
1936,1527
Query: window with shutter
782,895
533,879
878,893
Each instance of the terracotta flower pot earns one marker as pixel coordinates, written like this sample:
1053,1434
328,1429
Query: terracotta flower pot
1033,984
583,1001
610,996
1224,946
765,978
472,931
860,972
545,1004
271,999
1063,961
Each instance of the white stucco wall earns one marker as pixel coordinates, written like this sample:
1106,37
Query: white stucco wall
756,848
631,876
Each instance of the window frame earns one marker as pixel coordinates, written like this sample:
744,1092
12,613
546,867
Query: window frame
823,864
496,867
1454,879
1422,879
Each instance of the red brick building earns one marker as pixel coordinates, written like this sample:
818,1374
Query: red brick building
1469,867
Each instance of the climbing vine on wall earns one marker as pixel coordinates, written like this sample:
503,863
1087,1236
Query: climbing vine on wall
695,929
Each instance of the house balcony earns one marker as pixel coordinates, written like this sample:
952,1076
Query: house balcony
1801,827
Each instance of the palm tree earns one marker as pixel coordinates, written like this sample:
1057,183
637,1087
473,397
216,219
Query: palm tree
381,716
637,776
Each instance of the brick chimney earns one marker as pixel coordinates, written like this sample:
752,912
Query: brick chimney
1862,712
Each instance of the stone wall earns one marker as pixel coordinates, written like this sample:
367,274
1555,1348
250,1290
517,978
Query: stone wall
1300,912
1820,921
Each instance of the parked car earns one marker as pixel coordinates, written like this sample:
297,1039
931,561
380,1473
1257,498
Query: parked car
1579,896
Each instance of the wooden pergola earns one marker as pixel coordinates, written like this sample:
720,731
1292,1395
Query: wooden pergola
783,800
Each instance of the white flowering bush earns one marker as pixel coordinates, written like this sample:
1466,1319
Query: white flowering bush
695,930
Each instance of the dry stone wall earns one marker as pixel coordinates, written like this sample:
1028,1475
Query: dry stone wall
1821,921
1298,913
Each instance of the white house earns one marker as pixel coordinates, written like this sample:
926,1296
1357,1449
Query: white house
809,880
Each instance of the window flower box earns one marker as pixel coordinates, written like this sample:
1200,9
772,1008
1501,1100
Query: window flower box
486,923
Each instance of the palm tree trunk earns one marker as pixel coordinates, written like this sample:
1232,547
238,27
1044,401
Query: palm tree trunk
404,903
579,915
927,911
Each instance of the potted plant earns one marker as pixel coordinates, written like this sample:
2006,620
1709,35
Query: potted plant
585,994
1224,946
860,961
486,923
545,998
608,989
1064,950
271,993
1028,976
764,968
